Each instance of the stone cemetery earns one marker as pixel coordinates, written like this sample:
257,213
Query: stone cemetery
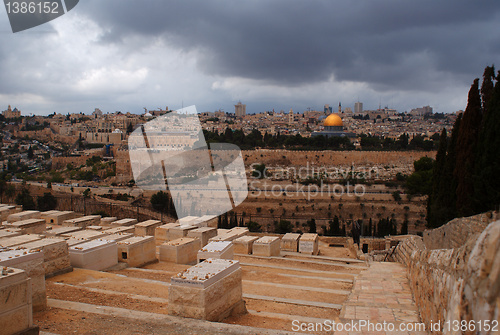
179,271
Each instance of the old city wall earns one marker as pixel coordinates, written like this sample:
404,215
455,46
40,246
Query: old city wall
456,233
329,158
61,162
455,284
46,134
300,158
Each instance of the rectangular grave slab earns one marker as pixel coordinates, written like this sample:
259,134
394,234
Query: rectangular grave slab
230,235
244,244
290,242
43,215
207,221
179,232
115,230
309,244
24,215
84,221
266,246
162,231
210,290
181,251
203,234
218,250
147,228
5,211
9,232
29,226
16,309
55,255
137,251
124,222
10,242
60,231
98,228
187,220
32,263
117,237
83,236
94,255
108,220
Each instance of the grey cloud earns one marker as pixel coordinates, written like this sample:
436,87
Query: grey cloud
292,42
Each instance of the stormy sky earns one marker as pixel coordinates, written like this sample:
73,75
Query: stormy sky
274,54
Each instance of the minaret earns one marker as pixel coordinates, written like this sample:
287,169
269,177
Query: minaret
340,108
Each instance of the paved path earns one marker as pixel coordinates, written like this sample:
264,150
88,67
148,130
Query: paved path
381,293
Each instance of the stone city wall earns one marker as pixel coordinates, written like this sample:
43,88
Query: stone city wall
62,162
300,158
455,284
329,158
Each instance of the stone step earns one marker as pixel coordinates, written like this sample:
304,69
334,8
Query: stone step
102,291
327,258
352,275
296,287
289,317
308,261
344,280
293,301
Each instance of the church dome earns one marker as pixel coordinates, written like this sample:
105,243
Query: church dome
333,120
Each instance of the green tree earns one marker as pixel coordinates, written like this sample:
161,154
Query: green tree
468,135
160,201
25,199
283,226
259,171
254,227
420,181
486,173
404,227
130,128
31,155
334,229
312,225
87,193
441,201
397,196
3,188
47,202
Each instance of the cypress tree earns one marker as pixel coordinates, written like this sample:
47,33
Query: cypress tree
468,135
438,206
486,176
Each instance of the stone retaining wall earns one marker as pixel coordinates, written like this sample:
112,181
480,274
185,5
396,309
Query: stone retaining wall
457,232
455,284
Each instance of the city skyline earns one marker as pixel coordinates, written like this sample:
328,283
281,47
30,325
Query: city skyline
267,55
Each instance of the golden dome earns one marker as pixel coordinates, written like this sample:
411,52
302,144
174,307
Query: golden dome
333,120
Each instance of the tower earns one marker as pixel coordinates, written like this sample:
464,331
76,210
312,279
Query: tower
340,108
240,109
358,108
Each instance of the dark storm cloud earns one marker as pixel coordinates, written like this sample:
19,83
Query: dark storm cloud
409,45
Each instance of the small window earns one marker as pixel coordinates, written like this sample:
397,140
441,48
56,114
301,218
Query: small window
124,255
